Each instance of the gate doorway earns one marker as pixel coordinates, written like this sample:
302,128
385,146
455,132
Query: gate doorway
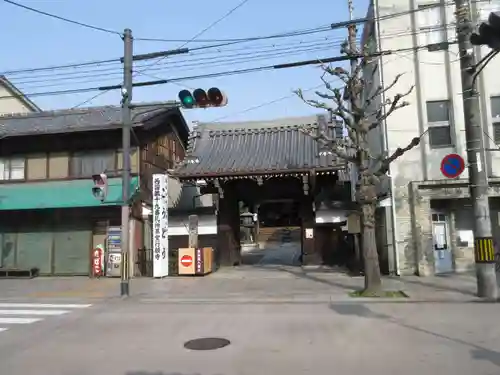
277,235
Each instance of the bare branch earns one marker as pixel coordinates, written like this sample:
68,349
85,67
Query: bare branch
332,144
381,90
384,166
395,104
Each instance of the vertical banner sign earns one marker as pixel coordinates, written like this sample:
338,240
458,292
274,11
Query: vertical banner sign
160,226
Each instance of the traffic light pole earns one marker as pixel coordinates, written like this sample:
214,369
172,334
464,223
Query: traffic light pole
478,178
127,125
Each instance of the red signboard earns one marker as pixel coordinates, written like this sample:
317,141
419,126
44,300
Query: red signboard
97,257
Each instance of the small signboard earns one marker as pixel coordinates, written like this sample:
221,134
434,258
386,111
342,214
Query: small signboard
452,165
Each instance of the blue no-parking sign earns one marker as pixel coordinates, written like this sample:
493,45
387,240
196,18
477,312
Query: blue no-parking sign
452,165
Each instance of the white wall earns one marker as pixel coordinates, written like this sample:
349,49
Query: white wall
436,76
10,106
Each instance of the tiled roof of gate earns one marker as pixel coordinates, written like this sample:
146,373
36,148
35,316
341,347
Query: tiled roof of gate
218,149
76,120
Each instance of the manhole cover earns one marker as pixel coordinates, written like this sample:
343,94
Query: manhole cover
207,343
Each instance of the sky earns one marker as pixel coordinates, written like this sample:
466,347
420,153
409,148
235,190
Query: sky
32,40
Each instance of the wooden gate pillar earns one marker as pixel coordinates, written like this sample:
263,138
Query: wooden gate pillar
311,255
228,229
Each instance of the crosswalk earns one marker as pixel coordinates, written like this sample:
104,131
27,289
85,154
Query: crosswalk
15,314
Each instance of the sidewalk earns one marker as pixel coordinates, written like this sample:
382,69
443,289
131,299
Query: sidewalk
280,284
251,283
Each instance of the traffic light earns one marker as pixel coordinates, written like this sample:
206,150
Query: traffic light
200,98
489,33
100,188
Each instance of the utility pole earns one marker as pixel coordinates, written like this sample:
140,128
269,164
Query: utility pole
127,124
478,178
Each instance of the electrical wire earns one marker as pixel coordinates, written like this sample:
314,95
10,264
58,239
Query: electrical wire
222,73
213,24
274,101
206,62
242,40
386,62
98,71
232,52
86,25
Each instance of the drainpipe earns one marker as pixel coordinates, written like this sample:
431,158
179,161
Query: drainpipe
385,145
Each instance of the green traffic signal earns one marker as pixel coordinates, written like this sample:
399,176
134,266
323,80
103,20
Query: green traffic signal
186,99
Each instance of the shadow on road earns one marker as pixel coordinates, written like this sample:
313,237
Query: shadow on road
361,310
437,286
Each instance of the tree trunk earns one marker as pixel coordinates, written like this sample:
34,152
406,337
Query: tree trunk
373,280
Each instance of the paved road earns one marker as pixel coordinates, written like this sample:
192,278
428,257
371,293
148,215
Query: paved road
132,337
280,319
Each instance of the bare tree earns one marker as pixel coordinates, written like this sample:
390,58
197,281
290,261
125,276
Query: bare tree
360,114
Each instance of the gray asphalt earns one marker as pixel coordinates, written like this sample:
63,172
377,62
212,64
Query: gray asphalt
279,319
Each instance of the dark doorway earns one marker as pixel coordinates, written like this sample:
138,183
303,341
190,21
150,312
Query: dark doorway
278,235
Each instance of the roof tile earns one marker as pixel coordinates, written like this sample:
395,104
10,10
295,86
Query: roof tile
73,120
255,147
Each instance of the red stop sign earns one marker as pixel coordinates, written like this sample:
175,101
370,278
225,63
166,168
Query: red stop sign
186,260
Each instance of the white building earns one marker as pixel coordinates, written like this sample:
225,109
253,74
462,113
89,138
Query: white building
432,215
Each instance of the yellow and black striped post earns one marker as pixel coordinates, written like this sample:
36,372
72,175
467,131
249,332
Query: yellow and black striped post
484,251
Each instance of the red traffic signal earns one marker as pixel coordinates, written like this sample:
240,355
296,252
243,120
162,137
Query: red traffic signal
217,97
200,98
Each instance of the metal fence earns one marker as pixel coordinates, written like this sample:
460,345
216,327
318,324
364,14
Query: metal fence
145,262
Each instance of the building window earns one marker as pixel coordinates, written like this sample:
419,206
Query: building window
87,163
438,122
12,168
431,24
495,117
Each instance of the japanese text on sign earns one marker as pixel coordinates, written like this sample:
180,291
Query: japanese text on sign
160,225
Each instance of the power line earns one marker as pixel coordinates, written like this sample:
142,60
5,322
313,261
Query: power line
224,73
219,55
259,49
216,22
239,40
288,96
232,52
266,103
88,76
190,64
62,18
196,35
56,67
89,99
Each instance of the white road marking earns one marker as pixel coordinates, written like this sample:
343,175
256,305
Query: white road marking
19,320
42,306
33,312
3,329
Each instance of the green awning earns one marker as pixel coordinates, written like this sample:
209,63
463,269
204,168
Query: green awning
60,194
